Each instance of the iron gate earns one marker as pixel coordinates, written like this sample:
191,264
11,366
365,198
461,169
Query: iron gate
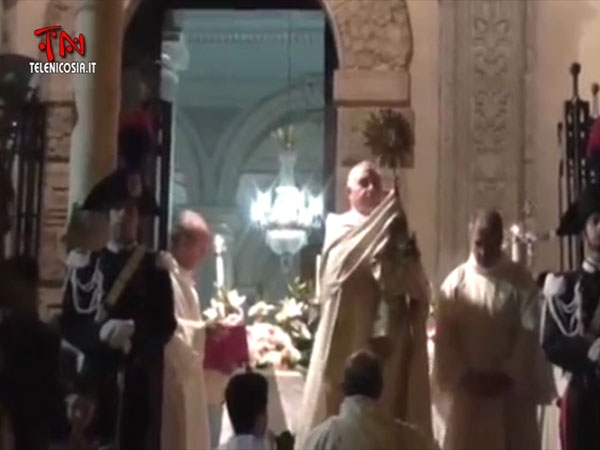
22,142
574,169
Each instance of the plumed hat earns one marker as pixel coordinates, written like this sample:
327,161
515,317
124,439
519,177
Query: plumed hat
573,220
118,189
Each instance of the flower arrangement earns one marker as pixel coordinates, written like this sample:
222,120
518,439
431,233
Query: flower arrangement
299,315
270,345
282,335
389,136
226,308
279,334
226,345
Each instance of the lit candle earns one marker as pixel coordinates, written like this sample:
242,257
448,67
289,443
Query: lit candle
318,276
514,248
220,262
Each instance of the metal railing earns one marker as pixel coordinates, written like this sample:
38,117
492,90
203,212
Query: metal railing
574,170
22,142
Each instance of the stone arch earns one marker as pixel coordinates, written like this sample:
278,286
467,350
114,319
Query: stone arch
374,38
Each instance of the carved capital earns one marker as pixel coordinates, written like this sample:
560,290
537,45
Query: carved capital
368,87
372,35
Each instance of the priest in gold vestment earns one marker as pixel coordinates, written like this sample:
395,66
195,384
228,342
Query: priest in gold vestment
374,293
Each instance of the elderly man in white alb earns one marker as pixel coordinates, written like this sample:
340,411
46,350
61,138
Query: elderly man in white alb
185,413
365,304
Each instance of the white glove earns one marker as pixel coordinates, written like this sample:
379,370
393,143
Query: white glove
594,351
117,334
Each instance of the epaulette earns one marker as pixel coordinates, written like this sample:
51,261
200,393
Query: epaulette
559,284
78,258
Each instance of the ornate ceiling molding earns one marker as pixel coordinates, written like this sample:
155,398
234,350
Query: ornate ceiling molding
253,37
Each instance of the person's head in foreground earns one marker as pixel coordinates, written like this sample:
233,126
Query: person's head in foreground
486,237
246,398
364,187
191,240
363,375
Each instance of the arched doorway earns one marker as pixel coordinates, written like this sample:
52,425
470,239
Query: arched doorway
221,142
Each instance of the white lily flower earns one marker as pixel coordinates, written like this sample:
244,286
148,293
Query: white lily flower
211,314
236,299
260,309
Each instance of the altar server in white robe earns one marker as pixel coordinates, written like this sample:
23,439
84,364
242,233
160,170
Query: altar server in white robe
369,301
488,363
185,413
361,424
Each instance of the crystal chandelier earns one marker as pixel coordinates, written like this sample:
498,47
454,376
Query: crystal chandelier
286,214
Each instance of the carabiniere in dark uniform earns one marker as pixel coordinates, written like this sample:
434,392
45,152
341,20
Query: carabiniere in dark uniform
571,327
118,312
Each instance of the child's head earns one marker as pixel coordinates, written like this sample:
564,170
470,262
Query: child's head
246,397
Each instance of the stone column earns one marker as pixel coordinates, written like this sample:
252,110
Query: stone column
484,48
97,96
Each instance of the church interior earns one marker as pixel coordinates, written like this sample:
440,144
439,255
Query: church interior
256,111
